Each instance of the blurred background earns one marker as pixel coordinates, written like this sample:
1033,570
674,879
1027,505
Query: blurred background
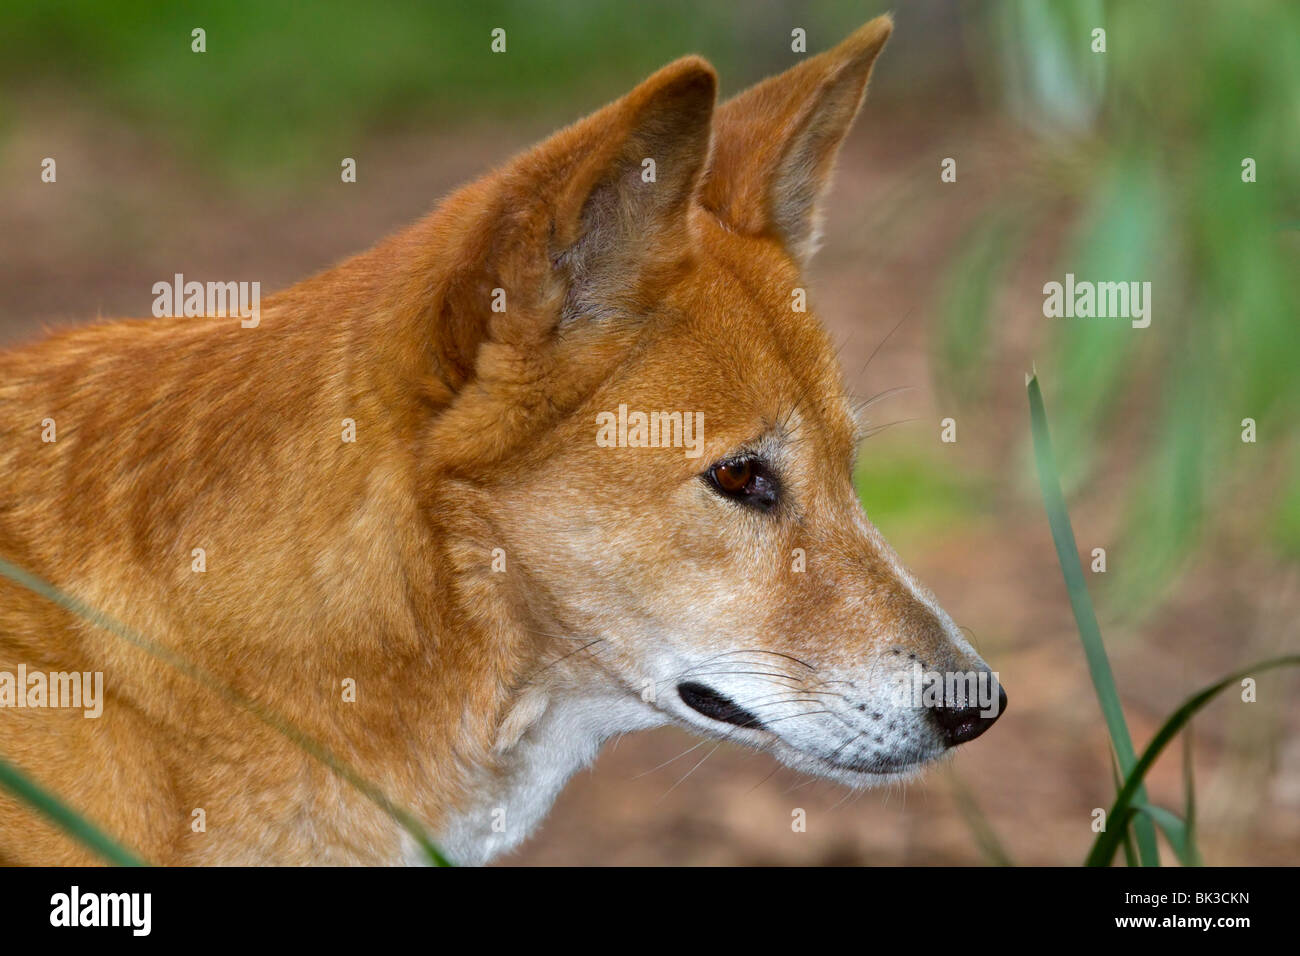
1117,166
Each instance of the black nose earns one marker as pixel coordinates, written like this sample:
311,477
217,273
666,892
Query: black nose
960,724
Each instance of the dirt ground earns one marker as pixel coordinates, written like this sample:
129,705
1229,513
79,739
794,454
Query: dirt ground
126,212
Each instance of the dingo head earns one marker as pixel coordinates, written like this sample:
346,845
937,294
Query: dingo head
661,444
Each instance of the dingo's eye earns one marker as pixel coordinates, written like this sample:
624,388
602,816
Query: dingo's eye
745,480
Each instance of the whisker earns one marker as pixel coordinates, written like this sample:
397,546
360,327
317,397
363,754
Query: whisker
888,335
877,429
692,770
672,760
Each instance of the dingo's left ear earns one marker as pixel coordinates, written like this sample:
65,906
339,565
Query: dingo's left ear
584,225
774,145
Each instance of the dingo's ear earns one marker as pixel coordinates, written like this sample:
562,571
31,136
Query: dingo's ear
584,225
775,144
620,221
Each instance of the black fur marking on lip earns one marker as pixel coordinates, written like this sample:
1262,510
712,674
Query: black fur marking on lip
712,704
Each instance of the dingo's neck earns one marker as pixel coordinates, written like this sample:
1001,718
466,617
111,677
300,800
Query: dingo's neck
547,736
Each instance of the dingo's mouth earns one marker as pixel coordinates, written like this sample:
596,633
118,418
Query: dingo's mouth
716,706
858,744
863,772
859,771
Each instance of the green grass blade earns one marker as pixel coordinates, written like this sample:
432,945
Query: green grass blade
1130,851
1175,830
1130,854
307,743
67,819
1085,618
1189,801
982,831
1107,842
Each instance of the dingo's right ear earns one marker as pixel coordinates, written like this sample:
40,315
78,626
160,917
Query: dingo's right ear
629,174
582,226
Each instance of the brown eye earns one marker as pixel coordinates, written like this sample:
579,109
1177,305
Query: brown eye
745,480
732,477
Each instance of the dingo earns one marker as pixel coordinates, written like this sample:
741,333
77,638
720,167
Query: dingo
383,512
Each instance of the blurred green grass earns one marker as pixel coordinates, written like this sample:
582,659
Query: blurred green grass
1145,142
280,80
909,497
